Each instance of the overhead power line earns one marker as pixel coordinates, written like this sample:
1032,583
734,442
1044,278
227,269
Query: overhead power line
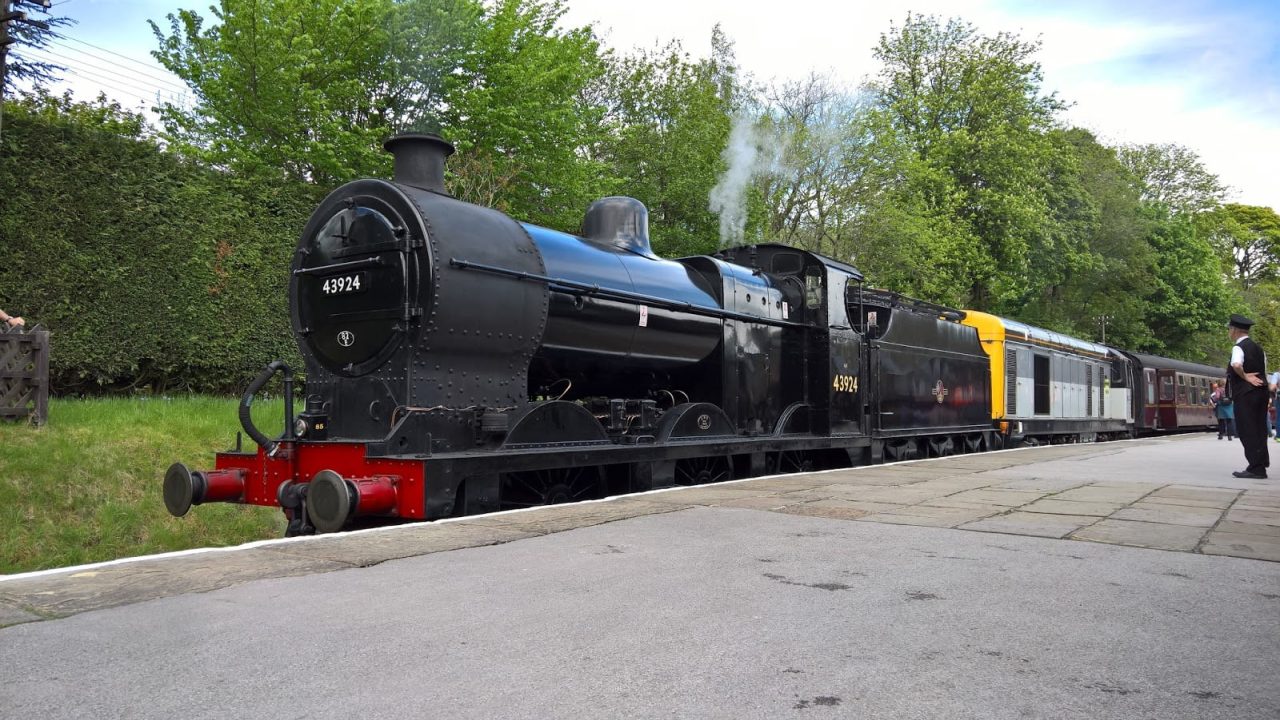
58,58
123,68
135,61
100,75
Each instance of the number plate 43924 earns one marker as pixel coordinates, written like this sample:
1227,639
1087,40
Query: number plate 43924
345,284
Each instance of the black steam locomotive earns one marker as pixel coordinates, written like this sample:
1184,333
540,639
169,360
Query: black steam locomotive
459,361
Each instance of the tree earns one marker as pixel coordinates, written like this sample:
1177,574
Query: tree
427,41
20,64
1094,199
1173,177
309,90
667,123
285,87
1247,237
519,109
969,110
1187,298
828,172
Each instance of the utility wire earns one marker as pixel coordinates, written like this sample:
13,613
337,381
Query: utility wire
83,69
118,92
135,61
113,63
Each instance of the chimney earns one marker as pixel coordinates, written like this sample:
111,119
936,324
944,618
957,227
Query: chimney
419,160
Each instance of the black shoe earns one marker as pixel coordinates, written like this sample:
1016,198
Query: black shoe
1249,475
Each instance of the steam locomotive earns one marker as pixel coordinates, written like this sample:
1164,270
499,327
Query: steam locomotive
458,362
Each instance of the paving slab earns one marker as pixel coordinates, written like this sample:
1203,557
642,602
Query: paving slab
761,502
1223,498
1245,503
834,509
1008,498
900,495
1142,534
1259,500
558,518
789,484
949,516
954,484
1029,523
1042,484
1071,507
1259,517
706,494
1185,502
932,521
1170,514
1101,494
952,503
1231,526
1246,546
855,507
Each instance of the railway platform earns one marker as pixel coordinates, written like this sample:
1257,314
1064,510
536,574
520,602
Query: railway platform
1114,580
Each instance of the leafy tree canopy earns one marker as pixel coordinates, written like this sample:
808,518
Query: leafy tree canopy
1172,177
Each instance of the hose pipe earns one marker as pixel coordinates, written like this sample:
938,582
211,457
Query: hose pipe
246,401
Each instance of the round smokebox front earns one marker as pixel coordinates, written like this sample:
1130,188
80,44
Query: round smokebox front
355,278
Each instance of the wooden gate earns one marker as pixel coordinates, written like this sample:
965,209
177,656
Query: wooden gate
24,374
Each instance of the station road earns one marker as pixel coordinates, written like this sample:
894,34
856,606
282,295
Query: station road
1125,580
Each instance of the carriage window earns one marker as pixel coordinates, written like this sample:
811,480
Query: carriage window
1040,376
1151,391
1166,389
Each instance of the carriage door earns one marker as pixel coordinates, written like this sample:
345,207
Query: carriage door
1149,414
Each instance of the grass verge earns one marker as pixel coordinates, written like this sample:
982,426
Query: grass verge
86,487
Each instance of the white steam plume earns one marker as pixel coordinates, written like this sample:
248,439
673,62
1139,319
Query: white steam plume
750,152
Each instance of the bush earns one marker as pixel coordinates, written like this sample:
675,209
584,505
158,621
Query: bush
151,271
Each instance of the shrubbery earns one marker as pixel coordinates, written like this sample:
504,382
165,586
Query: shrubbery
150,271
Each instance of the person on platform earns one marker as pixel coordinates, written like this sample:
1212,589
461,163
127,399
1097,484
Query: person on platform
1222,410
10,321
1274,384
1247,385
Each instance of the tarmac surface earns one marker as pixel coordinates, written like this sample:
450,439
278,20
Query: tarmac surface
1118,580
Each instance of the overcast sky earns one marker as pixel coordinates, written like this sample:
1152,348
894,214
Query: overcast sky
1195,72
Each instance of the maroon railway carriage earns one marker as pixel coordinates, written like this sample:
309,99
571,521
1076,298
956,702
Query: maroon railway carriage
1173,394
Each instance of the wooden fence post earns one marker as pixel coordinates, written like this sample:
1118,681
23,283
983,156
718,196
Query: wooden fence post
24,374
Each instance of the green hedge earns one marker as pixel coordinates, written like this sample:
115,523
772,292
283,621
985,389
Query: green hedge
151,271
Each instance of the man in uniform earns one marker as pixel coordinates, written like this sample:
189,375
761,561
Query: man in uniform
1245,376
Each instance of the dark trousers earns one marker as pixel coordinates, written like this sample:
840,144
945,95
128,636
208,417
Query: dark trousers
1226,426
1251,422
